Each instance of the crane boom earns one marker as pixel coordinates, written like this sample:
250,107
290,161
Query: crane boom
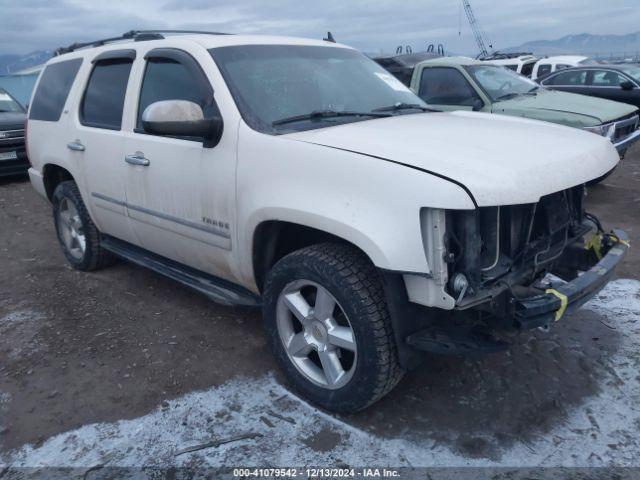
475,26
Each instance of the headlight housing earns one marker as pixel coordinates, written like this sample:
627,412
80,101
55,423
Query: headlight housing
605,130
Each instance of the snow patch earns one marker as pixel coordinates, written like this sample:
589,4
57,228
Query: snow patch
19,330
19,317
601,432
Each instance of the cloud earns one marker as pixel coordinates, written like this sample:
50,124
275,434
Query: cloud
372,25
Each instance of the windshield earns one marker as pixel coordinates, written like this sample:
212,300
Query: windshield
271,84
632,70
8,104
500,83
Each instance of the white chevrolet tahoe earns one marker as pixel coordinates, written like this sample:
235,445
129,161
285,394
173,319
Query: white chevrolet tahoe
301,177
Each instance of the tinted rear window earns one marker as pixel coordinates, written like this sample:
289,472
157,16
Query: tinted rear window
53,90
570,78
103,100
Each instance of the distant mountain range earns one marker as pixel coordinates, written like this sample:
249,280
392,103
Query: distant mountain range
585,43
15,63
591,45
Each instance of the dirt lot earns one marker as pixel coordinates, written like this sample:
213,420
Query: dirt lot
160,367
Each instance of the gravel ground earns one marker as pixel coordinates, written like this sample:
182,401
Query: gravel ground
123,367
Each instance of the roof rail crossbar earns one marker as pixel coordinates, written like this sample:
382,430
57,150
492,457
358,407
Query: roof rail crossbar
503,55
137,35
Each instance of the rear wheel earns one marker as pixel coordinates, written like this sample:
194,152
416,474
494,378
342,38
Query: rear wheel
77,234
328,325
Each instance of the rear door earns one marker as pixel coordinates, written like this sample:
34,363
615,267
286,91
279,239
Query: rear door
180,194
98,141
573,81
445,88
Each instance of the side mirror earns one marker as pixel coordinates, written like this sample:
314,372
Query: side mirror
181,118
477,104
628,85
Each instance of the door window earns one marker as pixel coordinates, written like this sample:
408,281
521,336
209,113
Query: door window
607,78
168,79
544,70
571,78
527,69
53,90
446,86
103,100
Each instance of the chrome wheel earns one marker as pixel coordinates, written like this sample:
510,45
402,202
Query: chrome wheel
71,229
316,334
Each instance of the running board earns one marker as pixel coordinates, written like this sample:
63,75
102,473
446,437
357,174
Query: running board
217,289
453,342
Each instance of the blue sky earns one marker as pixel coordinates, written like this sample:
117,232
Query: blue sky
370,25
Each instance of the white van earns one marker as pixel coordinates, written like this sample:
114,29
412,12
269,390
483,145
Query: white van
549,65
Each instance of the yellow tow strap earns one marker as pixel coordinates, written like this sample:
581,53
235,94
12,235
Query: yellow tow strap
595,243
627,243
564,303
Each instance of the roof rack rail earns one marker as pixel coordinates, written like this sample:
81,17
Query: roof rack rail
503,55
136,35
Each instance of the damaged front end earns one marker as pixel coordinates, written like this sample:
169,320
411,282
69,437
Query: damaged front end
511,268
500,259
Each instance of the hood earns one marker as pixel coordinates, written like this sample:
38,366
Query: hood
565,108
499,160
12,120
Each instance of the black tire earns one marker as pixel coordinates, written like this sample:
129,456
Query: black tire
349,276
94,257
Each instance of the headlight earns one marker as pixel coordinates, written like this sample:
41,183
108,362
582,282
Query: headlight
602,130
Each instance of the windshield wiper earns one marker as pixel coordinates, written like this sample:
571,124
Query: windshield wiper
320,114
404,106
509,96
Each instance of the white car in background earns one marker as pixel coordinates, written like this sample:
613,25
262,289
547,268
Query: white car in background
522,63
549,65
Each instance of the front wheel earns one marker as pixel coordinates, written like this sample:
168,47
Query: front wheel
328,326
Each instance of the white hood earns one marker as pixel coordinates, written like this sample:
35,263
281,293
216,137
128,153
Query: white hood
500,160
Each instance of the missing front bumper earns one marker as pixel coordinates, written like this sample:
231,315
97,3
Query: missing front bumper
551,306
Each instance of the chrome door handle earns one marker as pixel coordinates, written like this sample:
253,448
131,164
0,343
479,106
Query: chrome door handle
137,159
76,146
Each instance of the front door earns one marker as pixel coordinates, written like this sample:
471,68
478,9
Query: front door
181,194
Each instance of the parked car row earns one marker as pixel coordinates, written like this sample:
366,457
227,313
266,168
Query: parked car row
454,83
620,83
461,83
302,177
13,157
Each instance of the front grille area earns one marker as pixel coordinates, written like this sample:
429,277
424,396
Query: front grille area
11,137
625,127
490,243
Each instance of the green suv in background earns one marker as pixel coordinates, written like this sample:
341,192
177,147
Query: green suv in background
459,83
